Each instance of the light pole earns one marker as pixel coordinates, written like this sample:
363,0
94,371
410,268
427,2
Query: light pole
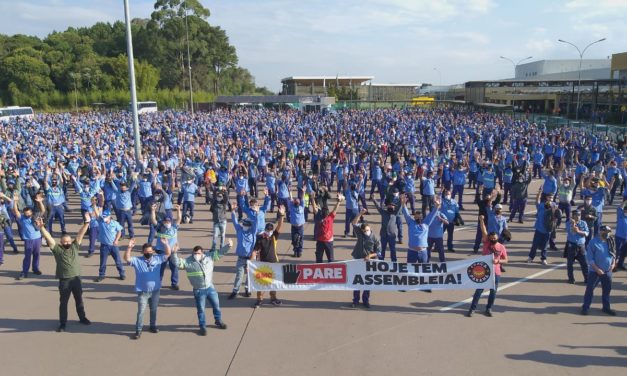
440,74
189,63
515,65
580,60
131,78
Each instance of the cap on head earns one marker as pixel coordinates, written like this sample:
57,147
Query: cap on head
498,207
106,213
605,228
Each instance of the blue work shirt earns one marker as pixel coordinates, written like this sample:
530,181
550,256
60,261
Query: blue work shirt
621,223
108,231
245,239
189,191
428,187
539,225
297,213
29,231
598,253
55,196
147,272
418,232
573,237
166,234
449,208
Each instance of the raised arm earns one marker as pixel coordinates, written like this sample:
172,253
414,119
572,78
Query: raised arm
340,199
127,253
484,230
49,240
83,230
153,214
179,217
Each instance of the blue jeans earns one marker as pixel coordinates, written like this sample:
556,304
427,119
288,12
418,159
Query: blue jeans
219,235
241,268
188,208
105,251
606,287
385,241
201,296
417,257
491,297
539,242
144,299
458,190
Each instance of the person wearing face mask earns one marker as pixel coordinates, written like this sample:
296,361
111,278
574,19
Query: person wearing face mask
542,231
109,233
388,230
265,250
418,231
427,192
30,234
246,233
167,232
241,190
255,212
324,229
576,232
199,269
450,209
56,200
601,257
589,215
68,270
366,248
189,189
123,203
491,246
297,219
147,282
596,188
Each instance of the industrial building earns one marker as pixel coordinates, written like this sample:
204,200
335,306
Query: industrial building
355,88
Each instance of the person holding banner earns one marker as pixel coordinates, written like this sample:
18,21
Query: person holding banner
367,247
491,246
265,250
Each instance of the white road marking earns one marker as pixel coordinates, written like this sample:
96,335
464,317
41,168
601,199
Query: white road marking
511,284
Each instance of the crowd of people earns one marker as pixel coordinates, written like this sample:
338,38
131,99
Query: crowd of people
408,167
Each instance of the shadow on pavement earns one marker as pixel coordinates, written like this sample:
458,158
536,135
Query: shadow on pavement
568,360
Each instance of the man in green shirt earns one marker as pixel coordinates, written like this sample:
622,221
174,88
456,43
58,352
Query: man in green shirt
68,270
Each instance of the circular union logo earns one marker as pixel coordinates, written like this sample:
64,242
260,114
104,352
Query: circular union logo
264,275
479,272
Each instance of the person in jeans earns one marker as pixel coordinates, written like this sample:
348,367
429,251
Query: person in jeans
219,204
68,270
246,232
199,269
491,246
367,247
109,233
601,257
147,282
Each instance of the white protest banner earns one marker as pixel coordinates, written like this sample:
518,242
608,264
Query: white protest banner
372,275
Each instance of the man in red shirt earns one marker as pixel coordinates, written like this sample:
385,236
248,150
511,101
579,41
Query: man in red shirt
324,235
491,246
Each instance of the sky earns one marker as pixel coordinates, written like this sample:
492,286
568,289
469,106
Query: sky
396,41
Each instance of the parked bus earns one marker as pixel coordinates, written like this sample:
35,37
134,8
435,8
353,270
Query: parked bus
12,112
144,107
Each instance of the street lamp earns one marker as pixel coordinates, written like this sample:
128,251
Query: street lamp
189,63
131,78
440,74
580,60
515,65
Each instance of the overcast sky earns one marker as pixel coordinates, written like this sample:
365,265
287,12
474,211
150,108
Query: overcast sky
397,41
